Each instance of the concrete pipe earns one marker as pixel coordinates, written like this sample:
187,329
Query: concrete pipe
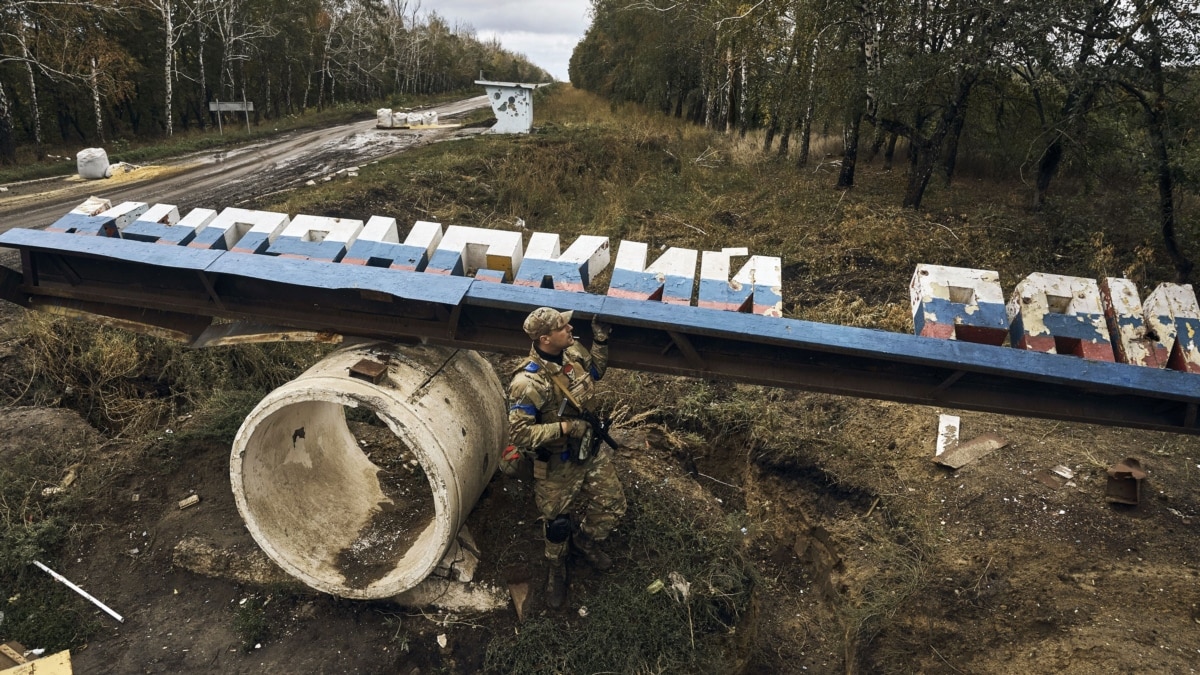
369,519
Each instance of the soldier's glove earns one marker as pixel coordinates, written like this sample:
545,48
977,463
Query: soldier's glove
600,331
576,428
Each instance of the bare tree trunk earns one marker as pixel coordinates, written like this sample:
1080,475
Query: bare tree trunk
950,157
95,81
889,151
850,151
33,99
730,98
325,68
1166,198
33,96
709,106
168,62
809,102
743,98
930,150
1156,120
778,107
8,145
202,35
312,42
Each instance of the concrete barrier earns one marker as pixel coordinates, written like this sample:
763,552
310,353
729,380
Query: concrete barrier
324,510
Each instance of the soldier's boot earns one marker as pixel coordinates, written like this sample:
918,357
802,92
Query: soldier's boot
590,549
556,584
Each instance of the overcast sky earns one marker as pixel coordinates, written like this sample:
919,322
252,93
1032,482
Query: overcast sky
545,31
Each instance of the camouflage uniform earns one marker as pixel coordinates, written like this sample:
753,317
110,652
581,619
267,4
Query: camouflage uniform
590,490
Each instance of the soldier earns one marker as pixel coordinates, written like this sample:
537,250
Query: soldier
548,392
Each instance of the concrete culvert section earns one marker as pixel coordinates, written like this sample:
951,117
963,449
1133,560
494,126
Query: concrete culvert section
369,515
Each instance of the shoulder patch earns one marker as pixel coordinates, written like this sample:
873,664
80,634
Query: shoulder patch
532,367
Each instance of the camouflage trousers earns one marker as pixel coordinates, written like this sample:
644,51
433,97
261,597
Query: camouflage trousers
591,492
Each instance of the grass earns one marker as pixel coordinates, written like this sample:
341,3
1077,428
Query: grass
250,622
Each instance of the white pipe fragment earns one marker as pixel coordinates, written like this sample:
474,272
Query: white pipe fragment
80,591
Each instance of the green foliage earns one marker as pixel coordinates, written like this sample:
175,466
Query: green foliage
630,629
37,610
46,615
250,622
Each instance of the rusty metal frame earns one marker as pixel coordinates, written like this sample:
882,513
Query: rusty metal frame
181,292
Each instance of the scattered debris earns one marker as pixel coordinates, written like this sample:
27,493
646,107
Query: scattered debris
3,189
1049,479
966,452
53,490
1055,478
681,589
948,426
519,591
583,612
190,501
85,594
442,640
311,183
1125,482
655,586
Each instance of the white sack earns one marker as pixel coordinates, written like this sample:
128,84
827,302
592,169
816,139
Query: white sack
92,163
383,118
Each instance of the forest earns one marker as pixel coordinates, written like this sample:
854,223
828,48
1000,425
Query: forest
74,72
1028,90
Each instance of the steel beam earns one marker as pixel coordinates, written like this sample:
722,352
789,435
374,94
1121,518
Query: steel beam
180,291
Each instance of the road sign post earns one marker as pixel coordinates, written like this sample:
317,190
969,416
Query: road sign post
231,106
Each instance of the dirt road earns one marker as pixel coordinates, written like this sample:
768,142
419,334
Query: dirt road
229,177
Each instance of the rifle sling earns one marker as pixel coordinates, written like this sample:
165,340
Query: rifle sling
557,379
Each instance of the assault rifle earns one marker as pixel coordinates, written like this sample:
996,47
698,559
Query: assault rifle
582,448
600,426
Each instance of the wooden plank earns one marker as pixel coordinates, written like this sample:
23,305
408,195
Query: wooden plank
11,654
54,664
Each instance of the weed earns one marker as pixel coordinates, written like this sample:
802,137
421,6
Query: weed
250,622
630,629
33,526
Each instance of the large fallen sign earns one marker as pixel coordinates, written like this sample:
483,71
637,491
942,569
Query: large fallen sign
318,505
264,275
